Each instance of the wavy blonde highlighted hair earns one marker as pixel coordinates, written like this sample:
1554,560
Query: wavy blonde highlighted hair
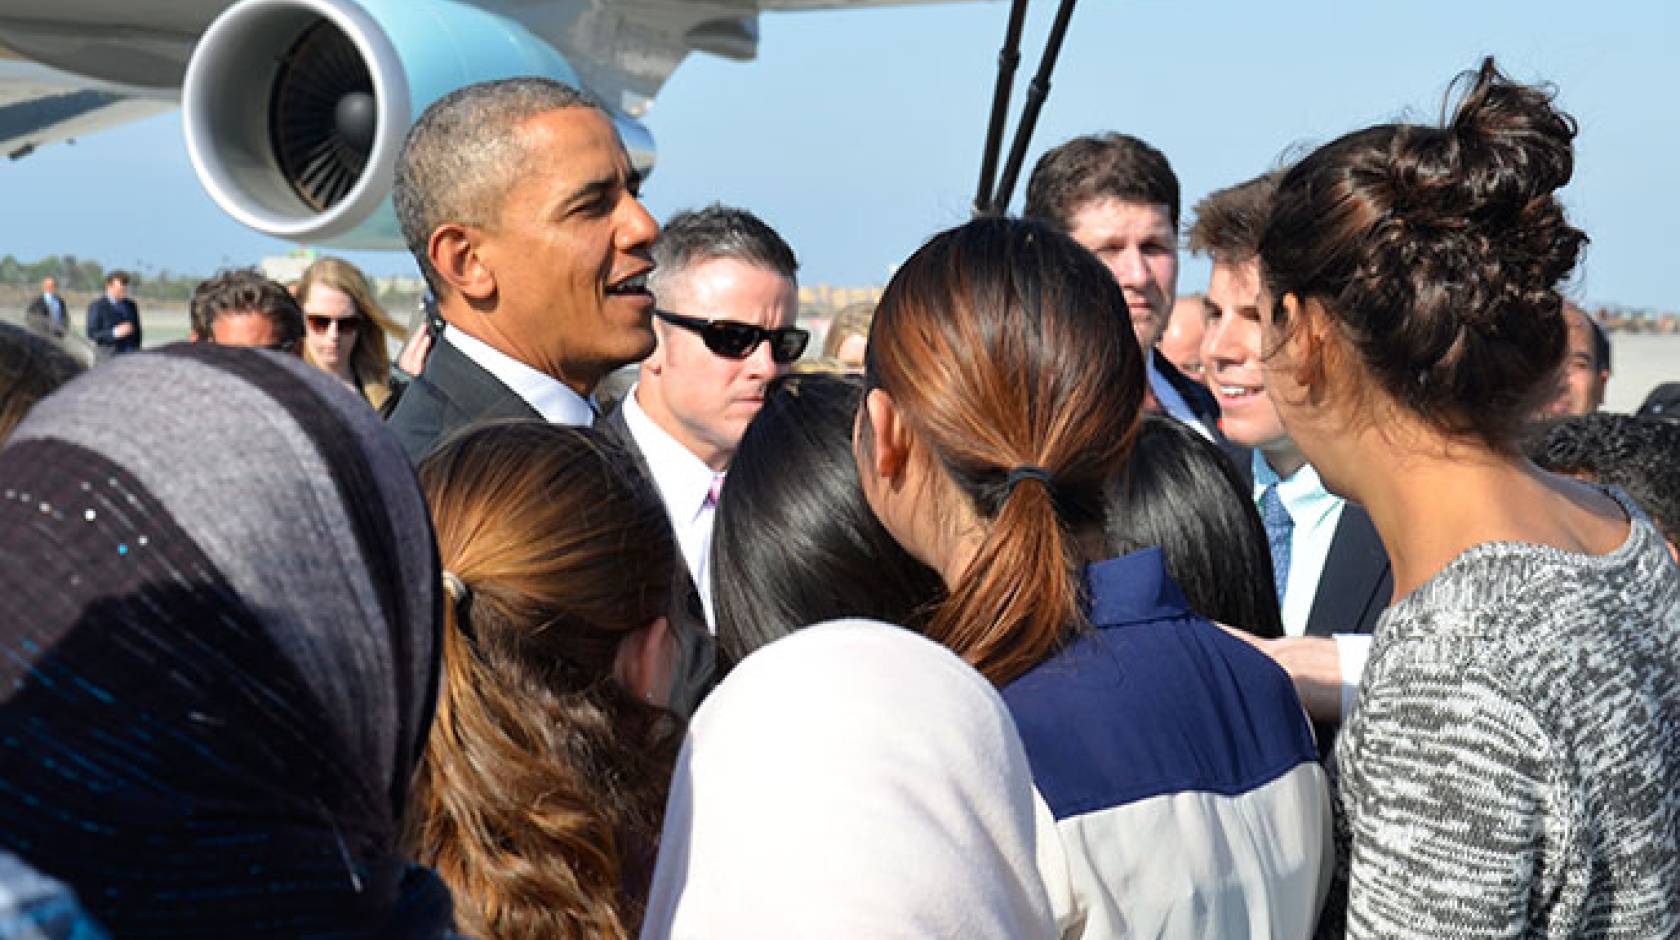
370,361
540,797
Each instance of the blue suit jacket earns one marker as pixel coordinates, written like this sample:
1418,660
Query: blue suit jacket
103,317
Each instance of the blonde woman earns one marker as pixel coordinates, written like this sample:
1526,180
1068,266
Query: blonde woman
347,328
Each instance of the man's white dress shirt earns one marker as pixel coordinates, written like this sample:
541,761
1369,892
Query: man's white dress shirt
685,484
551,398
1315,512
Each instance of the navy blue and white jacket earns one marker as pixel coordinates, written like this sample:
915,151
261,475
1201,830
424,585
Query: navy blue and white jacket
1176,768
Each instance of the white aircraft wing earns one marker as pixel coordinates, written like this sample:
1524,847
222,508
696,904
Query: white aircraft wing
294,110
40,106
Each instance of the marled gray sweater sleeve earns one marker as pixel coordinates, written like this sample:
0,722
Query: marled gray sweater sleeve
1512,767
1452,844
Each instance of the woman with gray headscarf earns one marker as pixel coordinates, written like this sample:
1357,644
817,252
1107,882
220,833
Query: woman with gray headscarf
218,651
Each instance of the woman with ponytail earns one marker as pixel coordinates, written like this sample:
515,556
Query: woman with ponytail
1005,390
540,795
1510,768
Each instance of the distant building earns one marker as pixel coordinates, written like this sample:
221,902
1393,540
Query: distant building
287,268
824,297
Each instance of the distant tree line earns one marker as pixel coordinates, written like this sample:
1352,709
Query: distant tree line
84,275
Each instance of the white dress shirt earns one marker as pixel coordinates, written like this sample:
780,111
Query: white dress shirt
1171,401
685,483
1316,512
551,398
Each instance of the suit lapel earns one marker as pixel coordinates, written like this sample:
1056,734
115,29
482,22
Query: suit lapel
471,390
1357,580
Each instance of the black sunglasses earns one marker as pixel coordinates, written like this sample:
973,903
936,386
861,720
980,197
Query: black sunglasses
320,322
733,340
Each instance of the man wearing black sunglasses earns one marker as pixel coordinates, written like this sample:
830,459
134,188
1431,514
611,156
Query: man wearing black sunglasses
726,293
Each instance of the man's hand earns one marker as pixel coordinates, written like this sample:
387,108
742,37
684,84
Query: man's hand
412,359
122,330
1313,663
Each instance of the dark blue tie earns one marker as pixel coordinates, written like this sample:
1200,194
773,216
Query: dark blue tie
1279,529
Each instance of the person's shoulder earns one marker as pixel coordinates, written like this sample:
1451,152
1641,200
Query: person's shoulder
419,418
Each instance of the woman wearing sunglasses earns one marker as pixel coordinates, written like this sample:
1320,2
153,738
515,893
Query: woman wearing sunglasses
1005,387
346,328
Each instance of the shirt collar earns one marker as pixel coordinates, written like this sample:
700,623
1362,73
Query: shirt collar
1132,588
683,479
550,397
1303,494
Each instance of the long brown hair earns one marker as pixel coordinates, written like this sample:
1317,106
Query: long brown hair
540,796
1005,345
370,361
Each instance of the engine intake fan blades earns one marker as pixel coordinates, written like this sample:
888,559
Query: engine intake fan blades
323,117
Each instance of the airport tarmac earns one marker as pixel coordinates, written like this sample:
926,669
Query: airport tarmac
1642,361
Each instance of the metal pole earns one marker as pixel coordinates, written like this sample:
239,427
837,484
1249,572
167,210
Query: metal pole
1008,58
1037,91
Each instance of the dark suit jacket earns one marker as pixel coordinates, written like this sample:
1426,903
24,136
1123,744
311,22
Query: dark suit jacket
1357,581
1353,589
451,393
103,316
698,669
1195,394
39,316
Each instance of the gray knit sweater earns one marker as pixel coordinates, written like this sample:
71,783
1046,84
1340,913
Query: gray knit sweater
1512,768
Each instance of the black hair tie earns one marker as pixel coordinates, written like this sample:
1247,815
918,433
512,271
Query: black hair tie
1024,472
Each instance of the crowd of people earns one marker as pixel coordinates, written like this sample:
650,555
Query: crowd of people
1037,604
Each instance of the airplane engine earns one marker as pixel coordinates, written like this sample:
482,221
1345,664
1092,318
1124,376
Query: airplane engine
294,110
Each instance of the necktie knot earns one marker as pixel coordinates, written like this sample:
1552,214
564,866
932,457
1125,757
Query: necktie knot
714,490
1279,530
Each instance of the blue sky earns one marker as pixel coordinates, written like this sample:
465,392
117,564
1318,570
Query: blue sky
858,133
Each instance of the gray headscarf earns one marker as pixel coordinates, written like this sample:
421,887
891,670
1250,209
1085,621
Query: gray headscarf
218,649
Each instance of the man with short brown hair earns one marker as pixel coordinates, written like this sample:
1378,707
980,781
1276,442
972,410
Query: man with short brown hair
1118,196
1331,574
113,320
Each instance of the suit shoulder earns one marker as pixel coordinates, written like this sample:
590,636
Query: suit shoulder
418,420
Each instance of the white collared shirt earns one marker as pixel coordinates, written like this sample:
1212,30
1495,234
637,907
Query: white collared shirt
684,482
551,398
1171,401
1316,512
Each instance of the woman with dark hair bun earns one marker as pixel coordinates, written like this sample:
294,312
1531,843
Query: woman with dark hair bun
1179,492
795,542
1004,397
1510,768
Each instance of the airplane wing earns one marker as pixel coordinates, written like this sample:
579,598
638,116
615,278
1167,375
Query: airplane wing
624,50
40,106
294,110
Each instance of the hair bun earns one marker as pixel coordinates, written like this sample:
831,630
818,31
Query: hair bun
1440,249
1514,146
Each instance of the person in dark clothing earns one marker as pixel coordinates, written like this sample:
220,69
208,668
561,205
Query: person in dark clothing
203,735
113,320
1118,197
47,313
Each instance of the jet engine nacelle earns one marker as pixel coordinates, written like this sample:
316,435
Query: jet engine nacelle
294,110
